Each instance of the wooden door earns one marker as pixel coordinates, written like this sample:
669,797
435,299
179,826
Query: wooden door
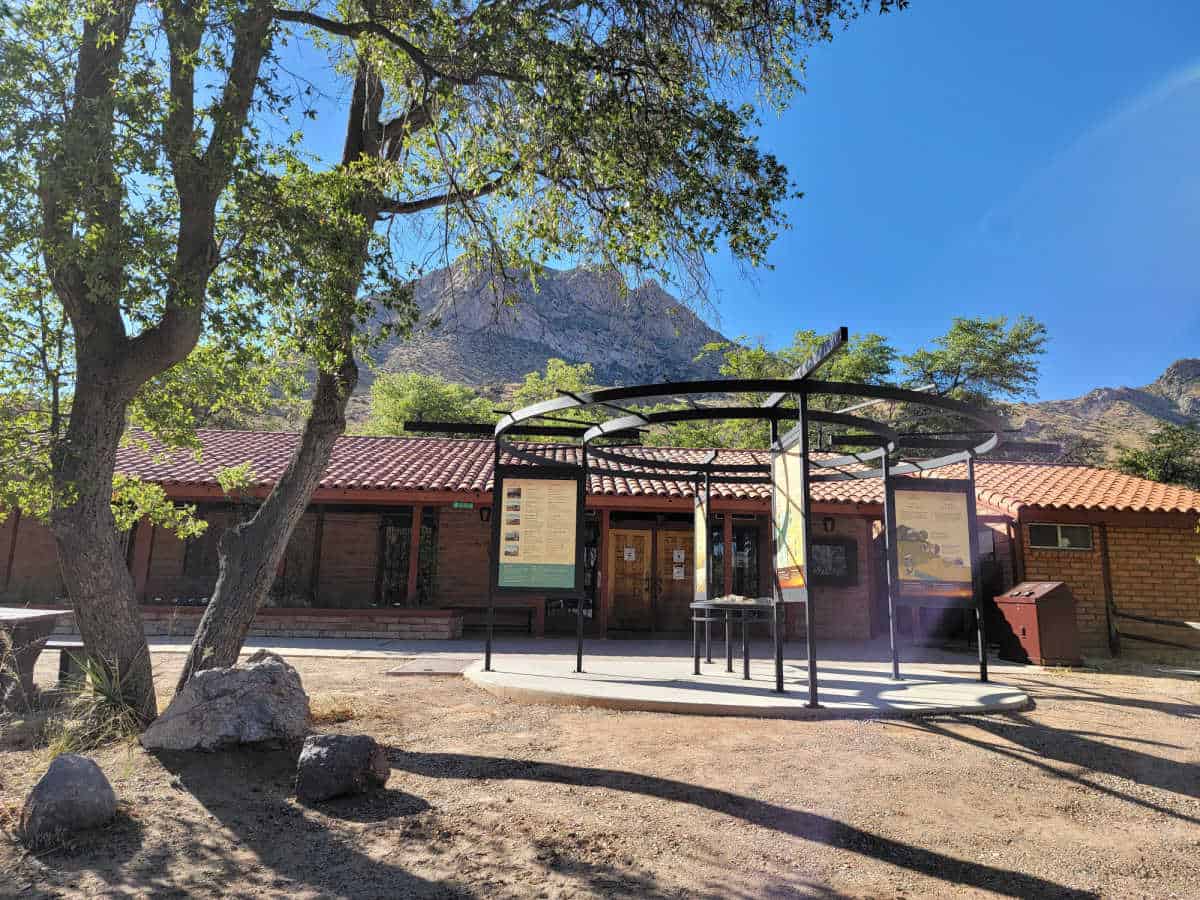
629,563
674,580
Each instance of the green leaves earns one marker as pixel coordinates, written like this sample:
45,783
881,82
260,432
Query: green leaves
408,397
1171,456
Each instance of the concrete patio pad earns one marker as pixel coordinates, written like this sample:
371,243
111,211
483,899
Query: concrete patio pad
861,689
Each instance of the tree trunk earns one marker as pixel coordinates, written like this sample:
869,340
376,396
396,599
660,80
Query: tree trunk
89,550
251,552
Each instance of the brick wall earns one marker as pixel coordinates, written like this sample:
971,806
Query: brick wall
841,613
1082,571
462,570
34,575
1155,572
164,578
349,559
1153,569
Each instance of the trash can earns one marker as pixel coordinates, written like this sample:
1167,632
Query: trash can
1041,627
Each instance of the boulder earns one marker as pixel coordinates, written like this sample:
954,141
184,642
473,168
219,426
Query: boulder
331,765
71,796
258,701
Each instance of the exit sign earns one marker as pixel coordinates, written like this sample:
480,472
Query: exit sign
462,504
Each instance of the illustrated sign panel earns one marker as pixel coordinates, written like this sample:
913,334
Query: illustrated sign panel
537,537
933,542
700,549
787,521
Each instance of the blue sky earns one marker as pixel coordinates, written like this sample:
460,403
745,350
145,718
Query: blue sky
971,158
984,158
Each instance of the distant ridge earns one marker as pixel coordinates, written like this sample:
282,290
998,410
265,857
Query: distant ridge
1122,415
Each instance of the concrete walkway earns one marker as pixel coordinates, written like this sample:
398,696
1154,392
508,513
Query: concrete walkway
656,675
846,688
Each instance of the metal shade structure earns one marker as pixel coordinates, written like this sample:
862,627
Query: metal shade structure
882,456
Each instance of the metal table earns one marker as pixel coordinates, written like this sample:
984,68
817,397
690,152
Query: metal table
750,609
23,633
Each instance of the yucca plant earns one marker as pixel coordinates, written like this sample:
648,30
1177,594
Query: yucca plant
93,711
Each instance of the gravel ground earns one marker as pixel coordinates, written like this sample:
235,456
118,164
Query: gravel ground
1096,791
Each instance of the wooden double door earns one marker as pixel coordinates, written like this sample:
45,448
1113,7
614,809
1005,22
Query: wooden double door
651,576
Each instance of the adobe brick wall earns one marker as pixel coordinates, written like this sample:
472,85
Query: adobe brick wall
462,570
349,559
164,578
841,613
34,575
1153,570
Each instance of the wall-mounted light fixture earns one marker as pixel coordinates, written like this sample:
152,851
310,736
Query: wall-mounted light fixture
485,514
827,523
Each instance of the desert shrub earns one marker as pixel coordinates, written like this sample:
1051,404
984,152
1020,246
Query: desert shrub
91,712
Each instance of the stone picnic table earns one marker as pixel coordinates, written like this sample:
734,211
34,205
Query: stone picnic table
23,633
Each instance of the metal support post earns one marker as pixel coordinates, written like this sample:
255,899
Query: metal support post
976,587
890,571
809,617
728,641
746,645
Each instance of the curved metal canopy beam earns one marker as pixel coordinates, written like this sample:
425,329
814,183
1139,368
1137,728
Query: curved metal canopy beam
608,397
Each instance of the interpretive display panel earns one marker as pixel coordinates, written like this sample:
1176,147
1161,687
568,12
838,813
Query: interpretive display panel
700,548
933,539
538,530
787,520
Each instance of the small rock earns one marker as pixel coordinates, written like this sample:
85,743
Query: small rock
334,764
71,796
260,700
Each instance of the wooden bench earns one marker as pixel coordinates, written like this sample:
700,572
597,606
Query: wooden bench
70,654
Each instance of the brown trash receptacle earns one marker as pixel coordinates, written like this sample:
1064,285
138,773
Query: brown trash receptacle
1041,624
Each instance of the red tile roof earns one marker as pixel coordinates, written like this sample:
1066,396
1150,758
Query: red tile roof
465,465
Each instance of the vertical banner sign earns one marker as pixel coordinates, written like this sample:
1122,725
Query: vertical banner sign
539,518
787,519
933,539
700,548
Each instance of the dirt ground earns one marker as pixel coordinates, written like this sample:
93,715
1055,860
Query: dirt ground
1094,792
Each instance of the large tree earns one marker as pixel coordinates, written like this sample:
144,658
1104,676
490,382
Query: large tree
400,400
520,131
141,193
123,126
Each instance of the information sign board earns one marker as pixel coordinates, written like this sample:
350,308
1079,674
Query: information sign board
538,521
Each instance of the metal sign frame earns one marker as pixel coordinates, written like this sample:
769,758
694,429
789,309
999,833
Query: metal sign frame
910,592
530,473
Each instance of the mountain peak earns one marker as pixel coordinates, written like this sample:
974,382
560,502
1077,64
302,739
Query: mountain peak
479,332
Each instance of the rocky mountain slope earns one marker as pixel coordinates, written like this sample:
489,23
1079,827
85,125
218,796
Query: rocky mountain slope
470,334
1123,415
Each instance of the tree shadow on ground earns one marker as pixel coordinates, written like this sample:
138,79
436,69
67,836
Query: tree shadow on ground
1044,744
1181,708
796,823
281,835
321,846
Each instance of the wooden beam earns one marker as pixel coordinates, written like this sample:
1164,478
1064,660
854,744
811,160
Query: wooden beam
414,555
12,548
727,540
604,579
139,564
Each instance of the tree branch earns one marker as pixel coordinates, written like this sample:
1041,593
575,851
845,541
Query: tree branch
366,27
408,207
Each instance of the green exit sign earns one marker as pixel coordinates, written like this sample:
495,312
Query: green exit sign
462,504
